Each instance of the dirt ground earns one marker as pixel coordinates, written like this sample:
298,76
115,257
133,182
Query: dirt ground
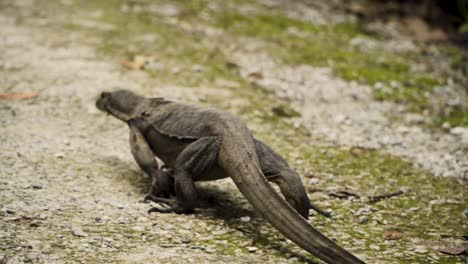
70,191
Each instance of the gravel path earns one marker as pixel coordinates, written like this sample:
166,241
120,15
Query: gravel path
70,191
346,113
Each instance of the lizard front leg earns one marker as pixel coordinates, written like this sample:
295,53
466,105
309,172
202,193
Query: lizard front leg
145,158
195,160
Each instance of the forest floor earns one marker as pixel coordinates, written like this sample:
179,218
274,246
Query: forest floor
358,114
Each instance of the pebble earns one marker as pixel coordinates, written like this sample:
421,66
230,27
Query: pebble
210,250
420,250
459,131
197,68
142,219
78,232
363,219
252,249
187,225
314,180
465,213
374,247
123,220
138,228
245,218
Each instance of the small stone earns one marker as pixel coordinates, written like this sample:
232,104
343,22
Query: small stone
142,219
363,219
245,218
197,68
465,213
59,155
176,70
123,221
187,225
293,260
167,10
252,249
210,250
186,240
378,85
138,228
76,231
43,217
459,130
405,189
374,247
420,250
314,181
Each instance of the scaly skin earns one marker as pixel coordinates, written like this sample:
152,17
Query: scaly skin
200,144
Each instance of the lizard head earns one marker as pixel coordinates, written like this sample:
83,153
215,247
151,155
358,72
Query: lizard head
121,103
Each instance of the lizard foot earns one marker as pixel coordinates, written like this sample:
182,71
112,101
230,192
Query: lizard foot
320,211
149,197
175,206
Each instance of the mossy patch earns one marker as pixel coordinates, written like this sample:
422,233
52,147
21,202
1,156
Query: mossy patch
299,42
432,207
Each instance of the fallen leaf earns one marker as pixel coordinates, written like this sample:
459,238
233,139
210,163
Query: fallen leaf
19,95
454,250
137,63
284,110
231,65
255,75
392,235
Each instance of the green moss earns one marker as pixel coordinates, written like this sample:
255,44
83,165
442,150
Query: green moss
455,116
299,42
367,171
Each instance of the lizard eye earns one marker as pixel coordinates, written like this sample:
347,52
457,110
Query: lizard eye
104,95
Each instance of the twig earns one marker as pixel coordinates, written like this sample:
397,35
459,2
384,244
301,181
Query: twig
344,194
19,95
374,199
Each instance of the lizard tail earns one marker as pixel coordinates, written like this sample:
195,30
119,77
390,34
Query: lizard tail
239,159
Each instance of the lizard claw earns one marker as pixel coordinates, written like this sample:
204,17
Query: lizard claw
175,207
150,197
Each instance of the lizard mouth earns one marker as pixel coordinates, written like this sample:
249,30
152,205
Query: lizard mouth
101,102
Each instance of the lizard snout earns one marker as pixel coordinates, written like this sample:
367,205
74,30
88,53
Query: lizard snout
101,102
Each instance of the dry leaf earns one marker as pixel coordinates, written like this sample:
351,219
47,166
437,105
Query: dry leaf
137,63
19,95
454,250
392,235
255,75
232,65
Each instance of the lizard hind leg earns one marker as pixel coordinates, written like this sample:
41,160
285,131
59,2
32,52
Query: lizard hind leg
195,160
276,170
